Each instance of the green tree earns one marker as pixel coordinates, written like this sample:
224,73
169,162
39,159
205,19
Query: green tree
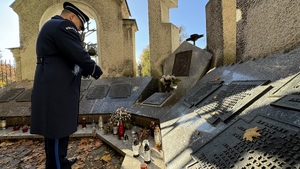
145,62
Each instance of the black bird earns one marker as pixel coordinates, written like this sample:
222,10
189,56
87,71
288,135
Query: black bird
194,37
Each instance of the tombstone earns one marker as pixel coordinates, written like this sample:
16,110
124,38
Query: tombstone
291,101
182,63
108,94
201,93
231,99
25,96
120,90
157,99
10,94
277,145
97,92
291,86
189,63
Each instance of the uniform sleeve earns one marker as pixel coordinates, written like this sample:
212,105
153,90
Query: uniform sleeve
69,44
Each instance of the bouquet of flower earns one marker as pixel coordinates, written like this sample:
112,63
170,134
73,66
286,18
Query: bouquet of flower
120,115
169,79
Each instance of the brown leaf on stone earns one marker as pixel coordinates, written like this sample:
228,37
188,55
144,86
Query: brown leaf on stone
214,113
106,158
217,78
6,143
251,133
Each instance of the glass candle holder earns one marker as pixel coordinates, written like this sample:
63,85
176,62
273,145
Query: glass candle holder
100,123
115,130
157,136
2,123
83,123
121,130
147,154
135,147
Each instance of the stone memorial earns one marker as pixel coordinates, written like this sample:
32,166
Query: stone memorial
201,93
277,146
10,94
157,99
189,63
230,99
25,96
291,101
291,86
182,63
121,90
85,85
97,92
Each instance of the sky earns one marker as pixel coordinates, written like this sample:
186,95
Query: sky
190,14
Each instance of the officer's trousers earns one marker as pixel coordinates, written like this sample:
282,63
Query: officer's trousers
56,152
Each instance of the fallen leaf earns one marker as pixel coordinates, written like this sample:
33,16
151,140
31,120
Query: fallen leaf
106,158
251,133
214,113
217,78
4,144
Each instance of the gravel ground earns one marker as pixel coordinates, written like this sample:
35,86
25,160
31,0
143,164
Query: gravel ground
91,152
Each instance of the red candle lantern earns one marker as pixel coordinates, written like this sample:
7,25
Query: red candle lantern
121,130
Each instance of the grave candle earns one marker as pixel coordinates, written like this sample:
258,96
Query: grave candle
83,123
135,147
100,123
147,154
3,123
121,130
157,136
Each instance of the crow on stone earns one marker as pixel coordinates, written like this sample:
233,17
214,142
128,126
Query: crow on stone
194,37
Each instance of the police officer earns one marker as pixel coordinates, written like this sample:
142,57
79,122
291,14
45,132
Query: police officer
61,60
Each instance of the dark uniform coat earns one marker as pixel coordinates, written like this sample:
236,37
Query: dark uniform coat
56,88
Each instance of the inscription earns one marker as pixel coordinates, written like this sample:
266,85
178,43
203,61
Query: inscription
182,63
120,90
97,92
25,96
292,86
277,147
10,94
289,102
157,98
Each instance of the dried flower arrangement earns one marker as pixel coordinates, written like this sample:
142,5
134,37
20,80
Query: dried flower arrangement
123,115
169,79
170,82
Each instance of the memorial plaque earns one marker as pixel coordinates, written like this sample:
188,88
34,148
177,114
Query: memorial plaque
182,63
201,93
157,99
120,90
292,86
230,100
97,92
25,96
85,85
10,94
291,101
276,147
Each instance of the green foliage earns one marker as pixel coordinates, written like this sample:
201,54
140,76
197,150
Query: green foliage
145,62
